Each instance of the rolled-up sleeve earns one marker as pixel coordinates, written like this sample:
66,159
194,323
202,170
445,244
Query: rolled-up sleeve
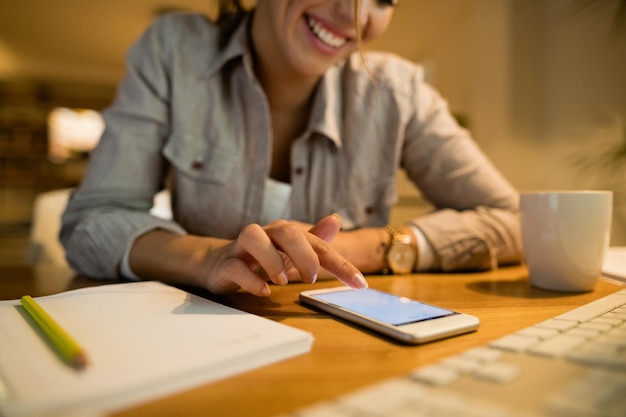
111,207
476,224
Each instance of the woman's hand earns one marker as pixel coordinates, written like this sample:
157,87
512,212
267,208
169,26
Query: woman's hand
281,252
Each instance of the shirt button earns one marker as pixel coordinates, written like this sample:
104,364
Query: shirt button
298,171
369,210
197,164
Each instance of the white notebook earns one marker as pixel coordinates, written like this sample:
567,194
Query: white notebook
614,267
143,339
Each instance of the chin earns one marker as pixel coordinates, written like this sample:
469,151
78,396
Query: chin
317,68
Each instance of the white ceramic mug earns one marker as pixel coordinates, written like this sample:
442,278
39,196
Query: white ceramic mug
565,236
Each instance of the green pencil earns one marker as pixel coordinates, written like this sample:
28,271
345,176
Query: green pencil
66,347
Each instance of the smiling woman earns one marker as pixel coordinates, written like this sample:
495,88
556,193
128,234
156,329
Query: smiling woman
281,139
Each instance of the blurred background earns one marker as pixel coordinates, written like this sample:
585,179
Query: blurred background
540,83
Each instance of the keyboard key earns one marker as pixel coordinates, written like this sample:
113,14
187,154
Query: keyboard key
585,333
557,346
437,403
601,327
383,398
617,336
515,343
608,356
538,332
611,321
483,354
437,375
615,315
558,324
462,364
595,308
498,373
599,393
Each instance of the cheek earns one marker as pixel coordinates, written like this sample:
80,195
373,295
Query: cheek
377,26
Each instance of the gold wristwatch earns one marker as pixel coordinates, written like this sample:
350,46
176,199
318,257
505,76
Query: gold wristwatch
401,255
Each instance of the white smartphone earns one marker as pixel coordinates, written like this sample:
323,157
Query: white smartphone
404,319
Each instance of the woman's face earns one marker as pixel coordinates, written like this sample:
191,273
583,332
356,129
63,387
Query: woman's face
309,36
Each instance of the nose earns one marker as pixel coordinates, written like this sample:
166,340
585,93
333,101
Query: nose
346,9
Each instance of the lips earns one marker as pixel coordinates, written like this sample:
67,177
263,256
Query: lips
325,36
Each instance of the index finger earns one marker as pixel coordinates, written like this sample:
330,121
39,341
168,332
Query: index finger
333,262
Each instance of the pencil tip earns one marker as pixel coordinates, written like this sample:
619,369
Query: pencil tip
80,361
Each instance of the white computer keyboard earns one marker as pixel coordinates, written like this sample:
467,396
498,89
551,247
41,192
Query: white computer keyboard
573,365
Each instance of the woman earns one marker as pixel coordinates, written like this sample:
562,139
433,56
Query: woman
281,143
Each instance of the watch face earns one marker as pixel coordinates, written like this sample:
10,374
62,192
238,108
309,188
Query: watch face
401,258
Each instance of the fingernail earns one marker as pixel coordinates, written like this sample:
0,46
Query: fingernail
265,292
360,281
314,279
282,278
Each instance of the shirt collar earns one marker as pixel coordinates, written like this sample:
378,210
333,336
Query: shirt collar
326,110
327,103
236,47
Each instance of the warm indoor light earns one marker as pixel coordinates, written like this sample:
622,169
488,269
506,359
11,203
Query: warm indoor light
72,132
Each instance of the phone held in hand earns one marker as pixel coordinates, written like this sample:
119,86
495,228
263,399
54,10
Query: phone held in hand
404,319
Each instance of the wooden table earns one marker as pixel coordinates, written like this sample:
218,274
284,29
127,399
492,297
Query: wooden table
343,357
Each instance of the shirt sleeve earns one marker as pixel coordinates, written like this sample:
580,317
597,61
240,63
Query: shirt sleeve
111,207
476,222
426,259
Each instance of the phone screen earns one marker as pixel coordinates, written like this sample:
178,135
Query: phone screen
388,308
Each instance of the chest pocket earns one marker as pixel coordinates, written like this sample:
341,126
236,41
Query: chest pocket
367,202
197,160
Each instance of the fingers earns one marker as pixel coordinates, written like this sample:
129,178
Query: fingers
336,264
303,252
327,228
293,243
255,241
279,250
235,273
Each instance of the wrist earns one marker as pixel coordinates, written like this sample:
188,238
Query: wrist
364,248
173,258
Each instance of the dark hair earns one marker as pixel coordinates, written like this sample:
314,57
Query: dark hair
230,15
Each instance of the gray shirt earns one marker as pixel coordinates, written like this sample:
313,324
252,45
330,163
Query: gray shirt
194,116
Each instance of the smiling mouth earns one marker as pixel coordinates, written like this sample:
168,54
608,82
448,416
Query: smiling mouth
324,35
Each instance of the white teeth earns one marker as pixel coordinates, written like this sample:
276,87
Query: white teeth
324,35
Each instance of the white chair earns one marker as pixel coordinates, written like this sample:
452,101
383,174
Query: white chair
44,246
